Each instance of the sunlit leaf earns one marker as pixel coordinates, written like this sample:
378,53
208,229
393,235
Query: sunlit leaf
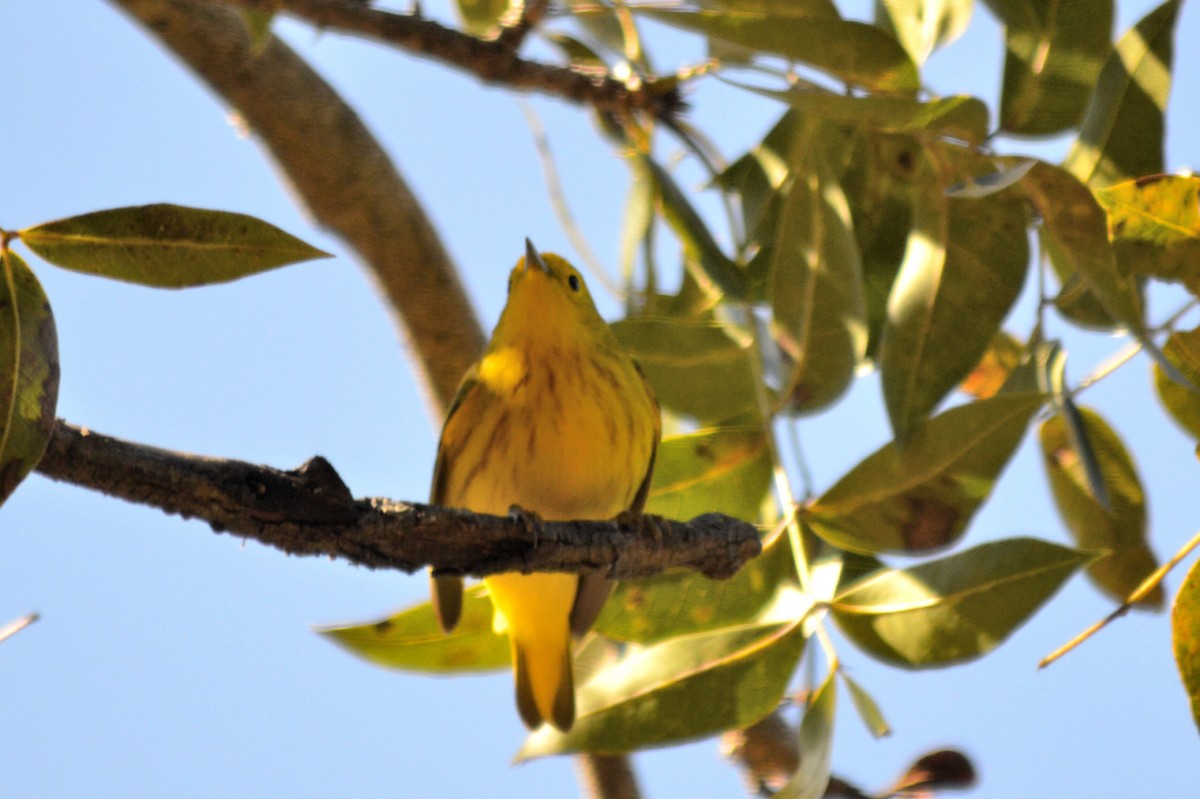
1185,637
923,25
957,608
481,17
721,470
858,53
28,371
879,185
704,258
1183,350
697,369
817,305
684,688
1122,134
166,246
923,495
816,744
1075,230
1154,223
964,268
867,707
413,640
1119,531
1054,51
685,602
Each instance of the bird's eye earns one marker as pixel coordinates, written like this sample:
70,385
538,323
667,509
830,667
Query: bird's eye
573,282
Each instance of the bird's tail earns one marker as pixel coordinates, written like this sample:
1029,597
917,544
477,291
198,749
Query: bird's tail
535,609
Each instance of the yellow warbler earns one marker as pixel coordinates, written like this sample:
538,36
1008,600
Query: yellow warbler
557,419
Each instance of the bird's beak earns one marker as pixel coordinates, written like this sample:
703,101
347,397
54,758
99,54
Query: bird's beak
533,259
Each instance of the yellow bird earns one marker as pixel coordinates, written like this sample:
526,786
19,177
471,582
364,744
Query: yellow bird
556,418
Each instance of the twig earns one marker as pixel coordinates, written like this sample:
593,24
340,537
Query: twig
1139,593
492,61
309,511
607,777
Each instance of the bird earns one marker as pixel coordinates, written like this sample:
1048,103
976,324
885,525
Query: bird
556,421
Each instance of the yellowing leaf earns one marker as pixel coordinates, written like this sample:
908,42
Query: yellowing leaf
1054,51
1075,230
998,362
684,688
413,640
1121,531
166,246
28,371
922,496
1185,636
1122,133
1154,223
955,609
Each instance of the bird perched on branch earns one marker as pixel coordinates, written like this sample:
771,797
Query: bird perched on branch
557,420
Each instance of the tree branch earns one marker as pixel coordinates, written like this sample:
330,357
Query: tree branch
339,172
309,511
491,60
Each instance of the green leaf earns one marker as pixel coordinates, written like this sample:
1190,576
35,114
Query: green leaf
1054,52
697,369
1183,351
1154,223
817,305
683,688
481,17
28,371
1185,636
922,496
413,640
963,270
922,26
1121,531
718,470
1075,230
1122,133
958,117
684,602
954,609
868,709
816,744
166,246
705,260
855,52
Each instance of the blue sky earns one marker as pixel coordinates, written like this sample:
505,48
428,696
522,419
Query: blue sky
170,661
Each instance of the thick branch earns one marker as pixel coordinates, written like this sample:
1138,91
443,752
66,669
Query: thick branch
339,172
309,511
491,60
